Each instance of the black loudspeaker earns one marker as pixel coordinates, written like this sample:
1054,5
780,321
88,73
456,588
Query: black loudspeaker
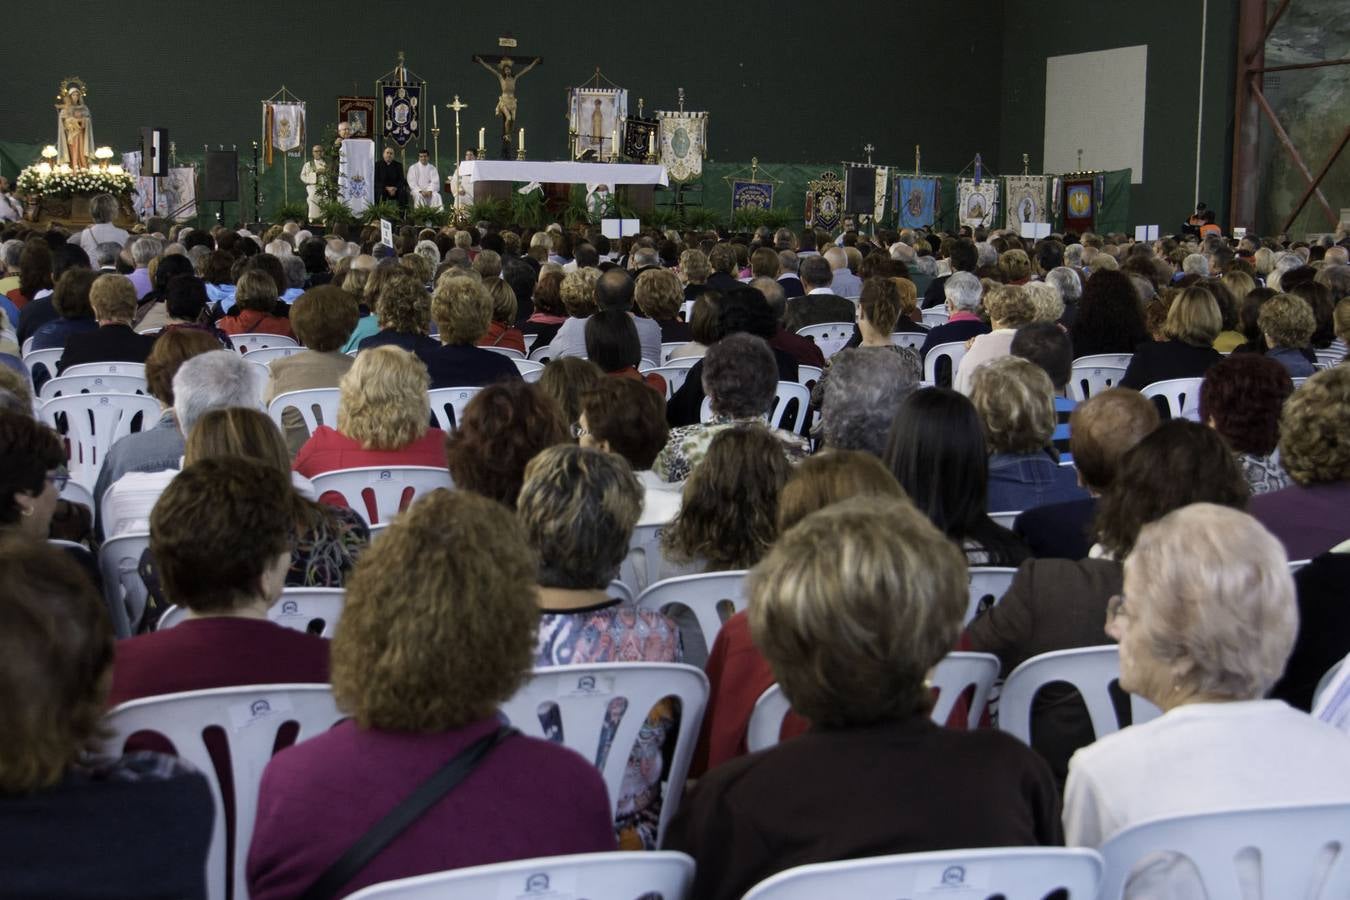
220,183
154,152
860,185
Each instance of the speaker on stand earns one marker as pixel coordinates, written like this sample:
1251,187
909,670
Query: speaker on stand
154,161
220,183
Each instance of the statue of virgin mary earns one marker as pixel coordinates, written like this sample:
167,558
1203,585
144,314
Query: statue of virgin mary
74,128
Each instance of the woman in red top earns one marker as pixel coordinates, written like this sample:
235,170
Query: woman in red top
35,273
383,411
612,343
502,331
255,296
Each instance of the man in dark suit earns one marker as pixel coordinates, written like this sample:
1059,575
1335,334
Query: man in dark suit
389,181
1101,430
964,258
113,298
819,304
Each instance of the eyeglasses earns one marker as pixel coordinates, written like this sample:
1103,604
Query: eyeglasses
578,431
61,478
1115,608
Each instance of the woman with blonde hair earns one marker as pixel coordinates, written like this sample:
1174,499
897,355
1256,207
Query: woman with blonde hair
911,316
1287,323
462,308
659,296
578,298
1187,351
383,416
502,330
1008,308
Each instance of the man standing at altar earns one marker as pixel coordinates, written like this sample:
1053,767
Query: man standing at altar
309,175
389,181
424,182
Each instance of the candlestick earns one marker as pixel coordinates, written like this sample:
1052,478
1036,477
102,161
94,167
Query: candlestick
520,142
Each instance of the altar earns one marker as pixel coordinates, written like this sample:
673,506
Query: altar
493,179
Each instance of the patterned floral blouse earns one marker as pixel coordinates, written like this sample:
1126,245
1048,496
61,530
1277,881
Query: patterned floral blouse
688,444
612,632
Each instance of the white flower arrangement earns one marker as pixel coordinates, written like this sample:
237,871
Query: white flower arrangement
33,182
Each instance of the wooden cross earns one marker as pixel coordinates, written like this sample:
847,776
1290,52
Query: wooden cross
868,148
679,93
1026,164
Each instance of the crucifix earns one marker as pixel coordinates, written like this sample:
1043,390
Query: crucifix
754,168
1026,164
679,94
868,148
504,70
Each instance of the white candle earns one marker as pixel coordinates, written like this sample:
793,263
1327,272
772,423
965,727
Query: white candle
614,143
651,143
520,144
481,132
434,123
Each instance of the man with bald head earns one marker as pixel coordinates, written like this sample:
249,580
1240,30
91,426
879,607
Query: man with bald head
844,283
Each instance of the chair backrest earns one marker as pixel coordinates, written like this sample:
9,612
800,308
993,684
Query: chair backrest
988,584
626,875
529,341
172,616
1009,873
674,377
249,721
712,597
911,339
684,362
830,337
378,493
953,352
447,404
1300,848
791,408
952,678
576,705
1299,382
1117,360
807,376
91,423
642,567
1089,670
92,384
107,368
27,347
264,355
1088,380
247,343
509,352
1182,395
935,316
42,360
119,562
1006,519
312,610
78,493
527,367
317,406
542,354
669,347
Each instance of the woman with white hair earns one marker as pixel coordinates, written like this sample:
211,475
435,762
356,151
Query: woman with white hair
1205,623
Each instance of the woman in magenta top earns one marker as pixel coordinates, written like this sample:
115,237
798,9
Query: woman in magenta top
383,411
438,629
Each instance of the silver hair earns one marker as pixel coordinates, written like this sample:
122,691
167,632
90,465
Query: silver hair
963,291
773,292
787,260
11,250
279,248
198,255
106,253
1073,255
1195,264
429,250
902,251
1047,300
215,380
144,249
985,255
862,394
646,256
102,208
1067,282
294,267
925,265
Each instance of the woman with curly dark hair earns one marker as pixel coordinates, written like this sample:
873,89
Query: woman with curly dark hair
502,429
1241,398
1110,316
35,273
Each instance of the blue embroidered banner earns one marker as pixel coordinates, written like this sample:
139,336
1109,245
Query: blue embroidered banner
916,200
747,194
401,111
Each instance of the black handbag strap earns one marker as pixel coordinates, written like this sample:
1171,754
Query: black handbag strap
444,780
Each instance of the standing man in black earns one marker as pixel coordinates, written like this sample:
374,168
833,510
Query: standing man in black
389,181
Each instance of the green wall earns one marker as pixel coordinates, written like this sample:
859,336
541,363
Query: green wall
1037,29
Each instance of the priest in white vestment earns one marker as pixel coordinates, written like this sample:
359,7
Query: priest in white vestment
424,182
309,175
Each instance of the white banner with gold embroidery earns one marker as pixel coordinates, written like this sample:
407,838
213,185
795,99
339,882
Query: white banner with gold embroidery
683,140
976,203
879,201
288,126
1025,200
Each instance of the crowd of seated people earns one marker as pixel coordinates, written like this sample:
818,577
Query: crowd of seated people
853,533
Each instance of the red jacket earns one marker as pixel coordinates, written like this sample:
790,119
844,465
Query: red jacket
250,321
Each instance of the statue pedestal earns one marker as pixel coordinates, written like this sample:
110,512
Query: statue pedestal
73,211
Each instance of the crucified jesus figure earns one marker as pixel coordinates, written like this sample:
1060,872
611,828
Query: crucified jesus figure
506,75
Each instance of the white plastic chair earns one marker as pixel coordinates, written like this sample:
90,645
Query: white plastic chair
957,673
447,404
27,347
1088,380
936,316
529,341
674,375
785,414
1182,395
119,561
247,343
583,695
1299,382
172,616
1300,848
93,423
107,368
1114,360
78,493
541,354
1296,564
1006,519
264,355
508,352
317,406
712,597
312,610
1010,873
47,359
248,720
953,351
378,493
683,362
642,567
669,347
830,337
63,385
526,368
911,339
988,584
807,376
1089,670
598,876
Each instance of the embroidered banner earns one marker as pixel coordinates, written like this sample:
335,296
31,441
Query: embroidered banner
356,173
879,193
639,137
594,117
1026,200
916,200
359,113
401,111
1080,206
683,137
976,202
174,195
825,201
746,194
288,126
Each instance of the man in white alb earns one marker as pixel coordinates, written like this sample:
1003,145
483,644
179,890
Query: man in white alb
309,175
424,182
